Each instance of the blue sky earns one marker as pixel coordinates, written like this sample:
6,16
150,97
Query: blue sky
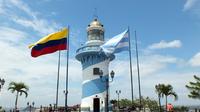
168,35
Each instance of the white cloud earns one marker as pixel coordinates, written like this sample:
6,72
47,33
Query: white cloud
11,35
193,7
149,64
40,25
22,6
32,18
163,44
1,7
195,60
177,79
38,73
189,4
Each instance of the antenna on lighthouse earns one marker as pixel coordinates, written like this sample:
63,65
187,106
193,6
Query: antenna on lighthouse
95,13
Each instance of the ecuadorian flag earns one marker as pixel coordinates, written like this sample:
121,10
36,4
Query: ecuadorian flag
50,43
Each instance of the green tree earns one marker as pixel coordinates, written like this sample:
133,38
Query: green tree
146,102
167,90
113,102
149,103
194,88
1,109
20,88
152,104
125,103
181,109
159,92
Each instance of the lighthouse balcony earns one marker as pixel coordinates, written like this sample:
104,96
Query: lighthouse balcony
89,49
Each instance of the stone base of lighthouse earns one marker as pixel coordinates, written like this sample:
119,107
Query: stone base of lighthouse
92,103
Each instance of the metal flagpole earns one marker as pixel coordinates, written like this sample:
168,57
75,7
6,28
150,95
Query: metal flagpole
130,60
138,69
66,89
58,79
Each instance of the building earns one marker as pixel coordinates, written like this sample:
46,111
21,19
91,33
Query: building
94,62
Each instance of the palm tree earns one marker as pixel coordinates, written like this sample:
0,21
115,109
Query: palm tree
159,92
194,88
167,90
20,88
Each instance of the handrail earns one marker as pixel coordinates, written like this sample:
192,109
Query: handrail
88,48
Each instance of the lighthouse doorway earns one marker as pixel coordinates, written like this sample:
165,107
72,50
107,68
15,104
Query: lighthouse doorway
96,105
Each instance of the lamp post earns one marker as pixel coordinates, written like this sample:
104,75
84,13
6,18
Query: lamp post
30,105
118,92
2,82
106,80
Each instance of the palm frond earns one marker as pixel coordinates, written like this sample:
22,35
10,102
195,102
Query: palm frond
194,88
23,91
197,78
19,87
174,94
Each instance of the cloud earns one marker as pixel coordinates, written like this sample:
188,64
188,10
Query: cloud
149,65
22,6
11,35
31,20
195,60
1,7
189,4
163,44
154,69
40,25
177,79
193,7
38,73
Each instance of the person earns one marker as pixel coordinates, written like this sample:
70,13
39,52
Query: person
169,107
50,108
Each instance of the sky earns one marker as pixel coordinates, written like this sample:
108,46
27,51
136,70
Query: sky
168,40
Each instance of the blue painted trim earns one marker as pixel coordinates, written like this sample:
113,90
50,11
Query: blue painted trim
126,48
93,87
124,40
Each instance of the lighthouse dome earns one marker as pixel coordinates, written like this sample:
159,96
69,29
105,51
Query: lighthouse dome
95,23
95,32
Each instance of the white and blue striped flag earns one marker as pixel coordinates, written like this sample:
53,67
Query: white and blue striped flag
117,44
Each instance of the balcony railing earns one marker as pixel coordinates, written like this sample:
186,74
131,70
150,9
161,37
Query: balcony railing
88,48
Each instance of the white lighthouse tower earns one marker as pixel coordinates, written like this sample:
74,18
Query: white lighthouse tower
93,63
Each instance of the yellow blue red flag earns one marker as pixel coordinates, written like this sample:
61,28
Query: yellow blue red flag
50,43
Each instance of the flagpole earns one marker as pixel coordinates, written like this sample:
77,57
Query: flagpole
66,89
58,75
138,69
131,72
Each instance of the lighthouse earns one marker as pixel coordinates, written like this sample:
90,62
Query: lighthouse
94,64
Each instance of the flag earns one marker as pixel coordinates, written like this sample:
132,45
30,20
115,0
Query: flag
117,44
50,43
